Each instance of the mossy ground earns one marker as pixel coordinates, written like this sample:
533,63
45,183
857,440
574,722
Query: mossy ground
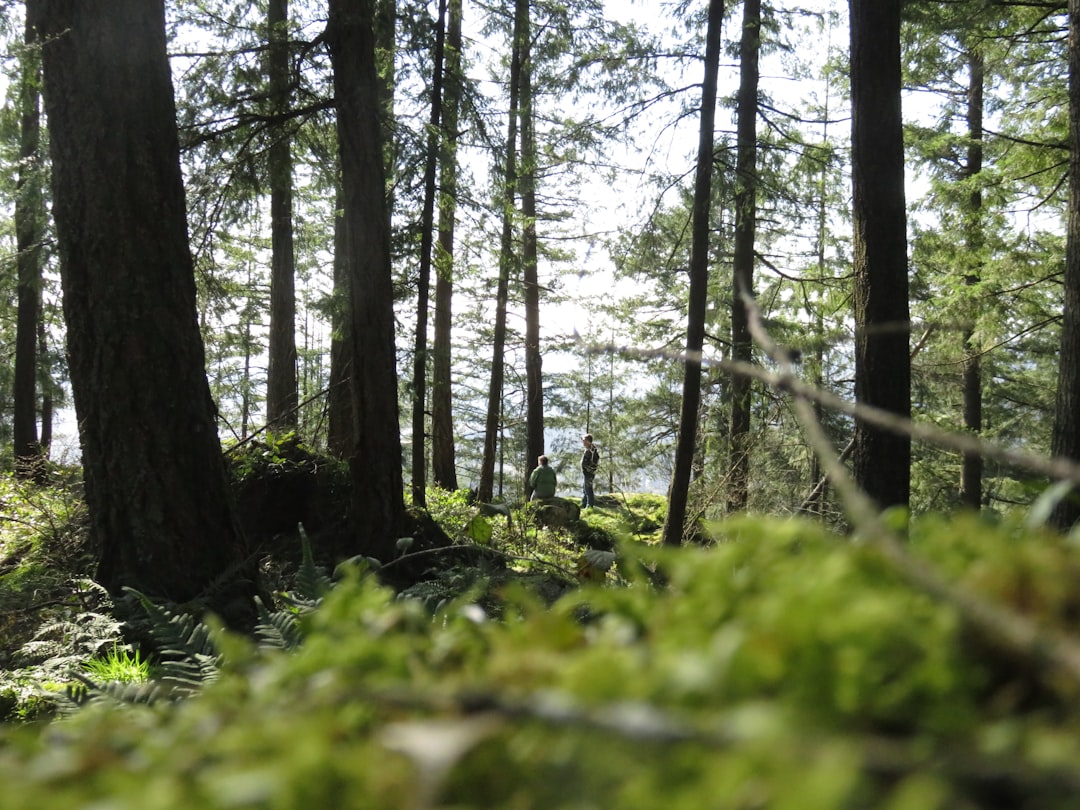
778,665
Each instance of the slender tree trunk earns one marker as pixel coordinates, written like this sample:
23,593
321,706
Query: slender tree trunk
699,278
1065,441
534,381
881,459
29,219
375,462
815,503
281,394
972,468
339,437
743,262
47,406
423,282
443,461
152,462
492,423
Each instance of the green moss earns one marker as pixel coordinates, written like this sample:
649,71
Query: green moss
781,668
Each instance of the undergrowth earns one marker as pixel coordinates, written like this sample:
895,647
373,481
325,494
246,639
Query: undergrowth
781,666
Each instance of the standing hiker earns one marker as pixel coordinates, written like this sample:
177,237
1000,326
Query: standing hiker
590,460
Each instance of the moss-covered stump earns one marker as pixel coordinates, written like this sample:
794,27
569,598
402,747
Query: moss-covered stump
279,485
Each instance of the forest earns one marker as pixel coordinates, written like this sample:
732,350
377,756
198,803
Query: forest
294,295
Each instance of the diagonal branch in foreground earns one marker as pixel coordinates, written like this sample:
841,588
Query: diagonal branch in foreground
999,626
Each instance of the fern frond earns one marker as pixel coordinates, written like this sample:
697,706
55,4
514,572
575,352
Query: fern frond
312,583
189,656
279,629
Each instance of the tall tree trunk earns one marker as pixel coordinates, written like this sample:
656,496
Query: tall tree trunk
1065,441
699,279
971,472
743,262
815,503
534,382
492,422
339,437
152,462
375,463
881,459
47,401
29,219
423,282
443,460
281,394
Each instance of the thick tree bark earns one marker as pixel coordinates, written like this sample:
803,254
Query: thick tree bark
154,473
281,392
443,455
972,466
699,278
743,261
423,281
1065,440
881,459
29,220
375,462
492,422
534,381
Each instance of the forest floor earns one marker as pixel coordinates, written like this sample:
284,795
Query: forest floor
51,610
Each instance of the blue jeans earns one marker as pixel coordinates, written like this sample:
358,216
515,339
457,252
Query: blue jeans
587,497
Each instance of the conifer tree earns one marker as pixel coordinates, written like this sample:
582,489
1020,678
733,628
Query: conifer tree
427,228
375,463
152,462
443,453
746,189
534,383
29,229
881,458
281,384
699,276
493,418
1066,435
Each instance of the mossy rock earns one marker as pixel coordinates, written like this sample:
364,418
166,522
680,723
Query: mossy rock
557,513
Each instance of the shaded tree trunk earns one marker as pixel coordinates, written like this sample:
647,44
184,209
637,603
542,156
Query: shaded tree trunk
818,498
47,388
29,220
153,468
281,393
534,382
1065,440
375,462
339,399
972,467
686,441
881,459
743,262
423,282
493,420
443,455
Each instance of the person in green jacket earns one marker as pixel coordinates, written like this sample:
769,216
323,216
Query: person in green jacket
542,481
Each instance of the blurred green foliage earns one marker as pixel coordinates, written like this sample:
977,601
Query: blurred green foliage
781,667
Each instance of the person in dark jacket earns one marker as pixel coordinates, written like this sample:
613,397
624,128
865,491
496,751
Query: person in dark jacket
590,460
542,482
